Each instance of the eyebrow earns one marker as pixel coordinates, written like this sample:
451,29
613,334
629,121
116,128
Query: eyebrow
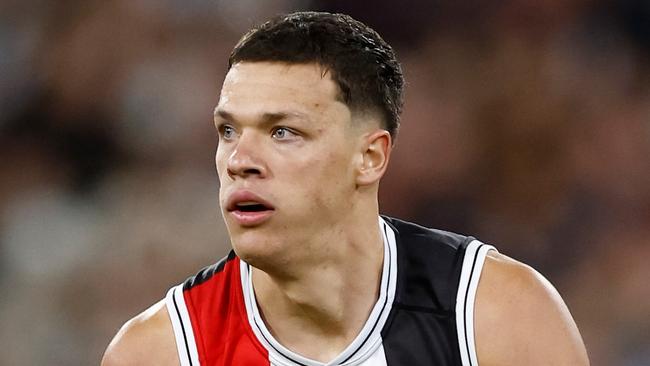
266,118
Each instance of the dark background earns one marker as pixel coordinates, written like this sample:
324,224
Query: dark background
526,124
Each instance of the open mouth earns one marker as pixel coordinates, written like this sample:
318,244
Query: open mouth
250,214
251,207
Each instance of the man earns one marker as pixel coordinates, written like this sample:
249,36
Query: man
307,117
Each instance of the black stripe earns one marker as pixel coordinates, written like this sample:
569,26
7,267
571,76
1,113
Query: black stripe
383,306
208,272
178,313
471,275
424,309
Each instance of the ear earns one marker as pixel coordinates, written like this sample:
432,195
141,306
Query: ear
376,149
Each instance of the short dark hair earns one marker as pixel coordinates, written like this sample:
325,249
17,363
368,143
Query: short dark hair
362,64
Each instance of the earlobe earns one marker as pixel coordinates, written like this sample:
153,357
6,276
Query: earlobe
375,155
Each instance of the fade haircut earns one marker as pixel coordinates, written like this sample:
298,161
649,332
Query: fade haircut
359,60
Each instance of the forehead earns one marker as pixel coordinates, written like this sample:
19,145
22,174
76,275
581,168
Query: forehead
263,87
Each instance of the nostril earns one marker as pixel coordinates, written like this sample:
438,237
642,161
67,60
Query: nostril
251,171
244,172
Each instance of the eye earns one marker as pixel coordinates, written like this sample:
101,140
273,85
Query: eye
283,133
226,132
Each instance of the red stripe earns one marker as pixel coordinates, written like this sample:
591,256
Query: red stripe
221,329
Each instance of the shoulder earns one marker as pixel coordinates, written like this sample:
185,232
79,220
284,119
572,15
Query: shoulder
521,319
147,339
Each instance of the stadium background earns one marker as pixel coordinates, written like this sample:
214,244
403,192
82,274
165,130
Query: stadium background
527,124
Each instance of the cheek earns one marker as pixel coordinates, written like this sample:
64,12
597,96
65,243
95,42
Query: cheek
338,164
326,179
221,167
220,162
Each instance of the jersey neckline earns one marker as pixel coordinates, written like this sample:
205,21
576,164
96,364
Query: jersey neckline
364,344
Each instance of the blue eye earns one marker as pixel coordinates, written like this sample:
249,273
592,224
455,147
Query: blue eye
227,132
282,133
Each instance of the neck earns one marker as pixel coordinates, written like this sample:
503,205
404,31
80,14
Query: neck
318,310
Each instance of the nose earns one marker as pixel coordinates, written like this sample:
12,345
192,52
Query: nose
246,159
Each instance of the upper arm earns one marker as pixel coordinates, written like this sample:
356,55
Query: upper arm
520,319
147,339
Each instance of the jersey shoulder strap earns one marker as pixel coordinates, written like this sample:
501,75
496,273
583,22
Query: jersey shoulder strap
473,261
182,325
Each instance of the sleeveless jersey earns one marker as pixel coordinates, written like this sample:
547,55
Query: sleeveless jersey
423,316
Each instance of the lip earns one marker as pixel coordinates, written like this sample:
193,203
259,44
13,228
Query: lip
248,218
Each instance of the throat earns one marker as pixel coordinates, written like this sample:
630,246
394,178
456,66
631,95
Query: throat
317,302
317,321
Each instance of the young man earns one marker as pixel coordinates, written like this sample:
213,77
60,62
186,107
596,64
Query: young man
307,118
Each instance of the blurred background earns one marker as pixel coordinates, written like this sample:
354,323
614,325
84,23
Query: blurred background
526,124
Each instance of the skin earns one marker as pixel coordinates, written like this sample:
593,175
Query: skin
285,136
319,169
521,318
147,339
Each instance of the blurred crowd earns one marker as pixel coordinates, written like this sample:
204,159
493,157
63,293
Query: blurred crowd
526,124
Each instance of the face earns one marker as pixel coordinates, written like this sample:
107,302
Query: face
286,158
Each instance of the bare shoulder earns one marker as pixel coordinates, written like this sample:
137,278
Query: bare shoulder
147,339
521,319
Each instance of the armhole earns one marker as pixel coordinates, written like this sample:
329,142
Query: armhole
469,277
182,325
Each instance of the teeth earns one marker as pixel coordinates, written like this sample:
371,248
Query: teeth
250,203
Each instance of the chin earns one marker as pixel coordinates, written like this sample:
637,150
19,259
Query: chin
256,248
